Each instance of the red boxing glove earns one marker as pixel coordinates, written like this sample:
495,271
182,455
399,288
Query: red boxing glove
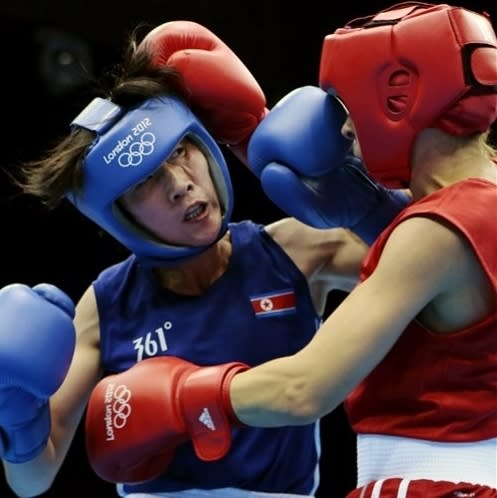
136,419
224,94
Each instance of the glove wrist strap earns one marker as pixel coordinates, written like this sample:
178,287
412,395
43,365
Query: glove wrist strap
207,409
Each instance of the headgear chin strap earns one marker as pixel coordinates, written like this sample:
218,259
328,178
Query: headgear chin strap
129,146
410,67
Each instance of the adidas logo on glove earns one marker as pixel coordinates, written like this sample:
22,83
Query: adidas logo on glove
206,419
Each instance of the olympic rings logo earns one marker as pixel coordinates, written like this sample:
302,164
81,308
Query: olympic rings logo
137,150
121,409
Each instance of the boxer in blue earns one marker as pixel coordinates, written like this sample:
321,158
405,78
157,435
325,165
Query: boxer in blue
196,286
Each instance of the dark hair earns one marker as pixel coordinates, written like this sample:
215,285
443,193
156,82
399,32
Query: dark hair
127,84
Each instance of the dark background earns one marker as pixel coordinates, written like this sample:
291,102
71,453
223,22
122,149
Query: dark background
42,91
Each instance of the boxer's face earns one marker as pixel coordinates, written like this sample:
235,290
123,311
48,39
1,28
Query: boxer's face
178,203
348,131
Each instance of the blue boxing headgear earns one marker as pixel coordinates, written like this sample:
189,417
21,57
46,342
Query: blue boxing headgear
130,145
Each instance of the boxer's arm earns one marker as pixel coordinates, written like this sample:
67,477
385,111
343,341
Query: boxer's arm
358,334
330,259
66,406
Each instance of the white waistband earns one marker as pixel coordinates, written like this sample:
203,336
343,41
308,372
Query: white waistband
215,493
380,457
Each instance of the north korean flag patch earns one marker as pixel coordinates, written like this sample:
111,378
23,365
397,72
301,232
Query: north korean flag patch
276,303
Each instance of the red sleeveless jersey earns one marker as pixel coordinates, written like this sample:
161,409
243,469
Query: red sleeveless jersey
433,386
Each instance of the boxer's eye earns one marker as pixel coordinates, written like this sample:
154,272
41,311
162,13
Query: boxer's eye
178,152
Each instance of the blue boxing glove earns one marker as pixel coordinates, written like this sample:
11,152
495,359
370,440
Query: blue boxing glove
37,341
304,164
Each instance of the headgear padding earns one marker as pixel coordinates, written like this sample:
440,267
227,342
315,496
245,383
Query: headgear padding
410,67
130,145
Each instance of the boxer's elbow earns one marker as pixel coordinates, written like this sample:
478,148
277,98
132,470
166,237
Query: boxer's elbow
303,404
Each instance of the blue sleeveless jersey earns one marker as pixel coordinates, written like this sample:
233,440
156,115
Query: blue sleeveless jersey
260,309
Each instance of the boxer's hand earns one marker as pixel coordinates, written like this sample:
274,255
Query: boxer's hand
37,341
223,93
305,167
136,419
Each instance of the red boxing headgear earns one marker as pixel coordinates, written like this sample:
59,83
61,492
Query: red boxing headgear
409,67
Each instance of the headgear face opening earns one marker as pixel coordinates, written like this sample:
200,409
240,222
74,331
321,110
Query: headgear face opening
129,146
410,67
